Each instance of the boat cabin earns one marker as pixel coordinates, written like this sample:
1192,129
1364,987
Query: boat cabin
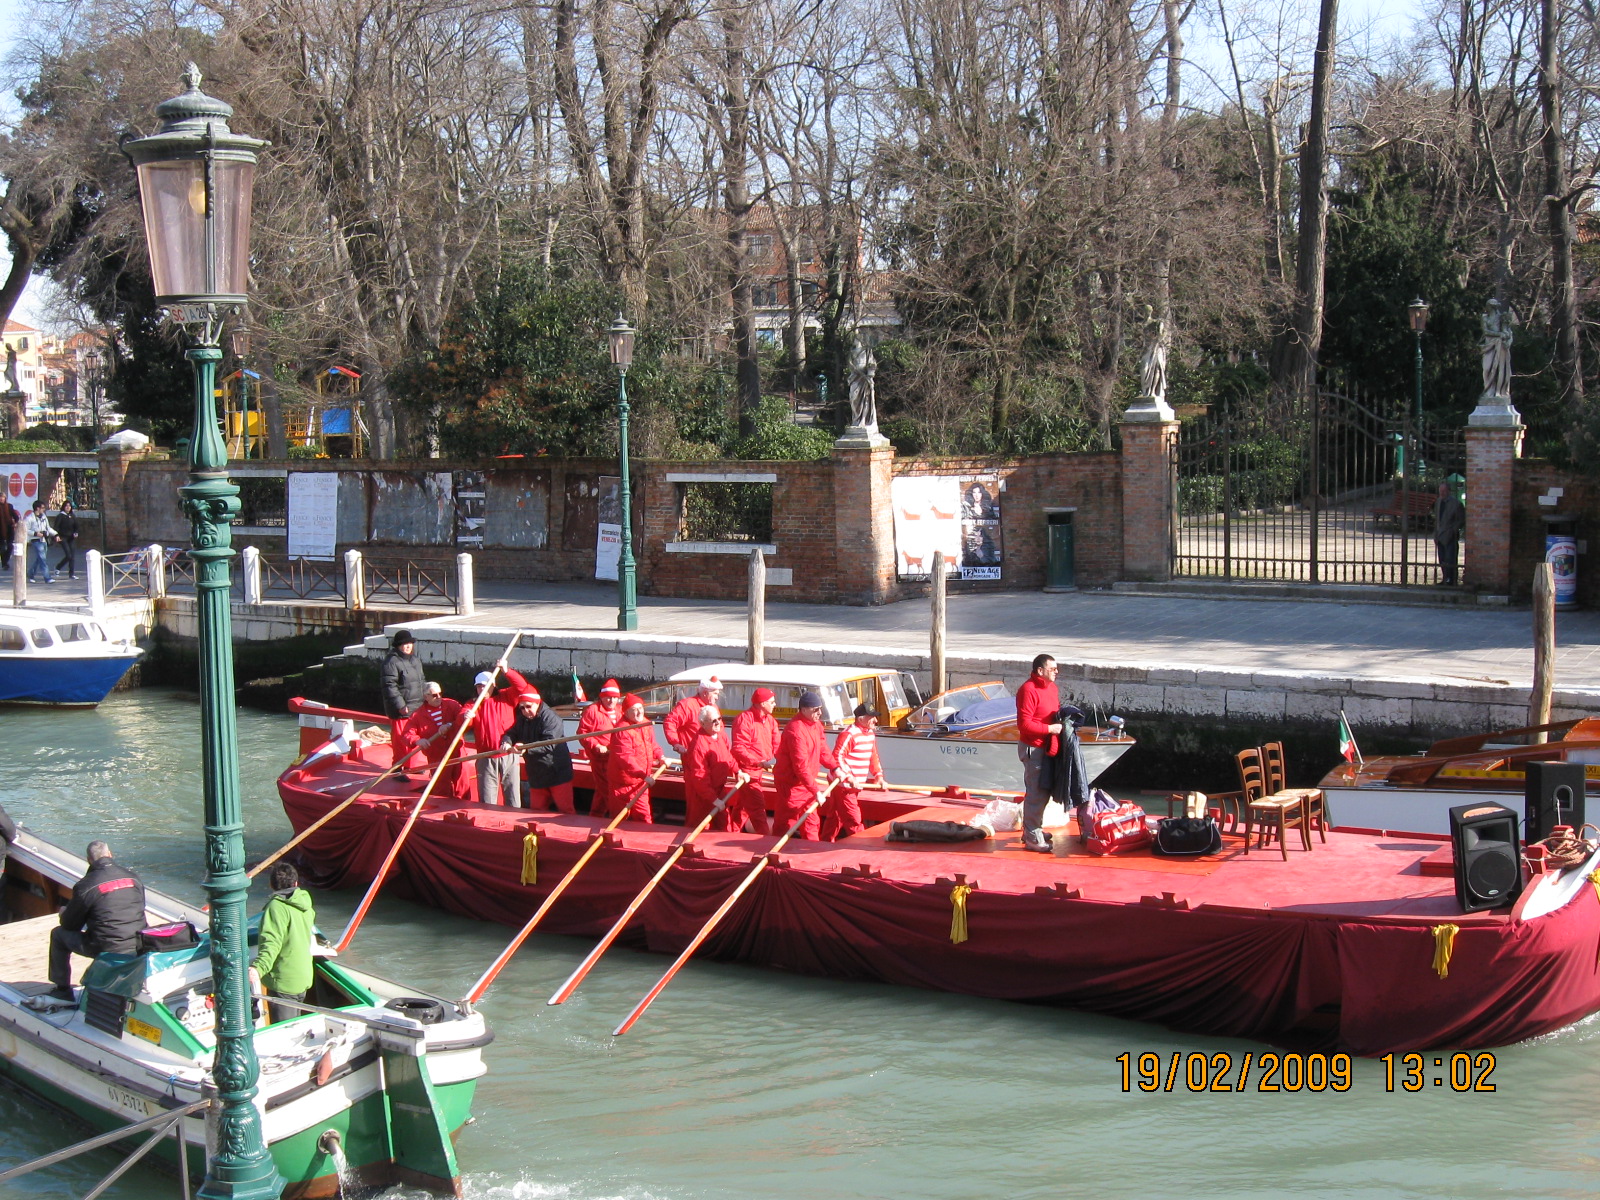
892,693
43,633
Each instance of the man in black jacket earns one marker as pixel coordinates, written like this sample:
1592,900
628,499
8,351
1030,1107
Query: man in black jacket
402,677
549,768
104,916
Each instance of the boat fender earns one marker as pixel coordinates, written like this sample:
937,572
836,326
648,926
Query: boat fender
418,1008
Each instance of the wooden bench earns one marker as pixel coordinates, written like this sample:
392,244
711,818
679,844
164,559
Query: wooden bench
1408,510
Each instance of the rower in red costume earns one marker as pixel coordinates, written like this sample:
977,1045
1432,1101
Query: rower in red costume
634,755
857,752
498,777
755,748
604,713
430,729
708,768
802,752
683,722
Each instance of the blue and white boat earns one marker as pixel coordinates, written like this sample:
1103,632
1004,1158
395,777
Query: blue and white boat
56,656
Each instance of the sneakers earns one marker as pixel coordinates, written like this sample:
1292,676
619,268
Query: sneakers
63,993
1037,840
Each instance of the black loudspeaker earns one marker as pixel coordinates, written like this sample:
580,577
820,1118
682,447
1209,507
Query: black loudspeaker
1554,796
1488,855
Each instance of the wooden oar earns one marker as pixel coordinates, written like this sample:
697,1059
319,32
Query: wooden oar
484,980
564,992
716,918
411,820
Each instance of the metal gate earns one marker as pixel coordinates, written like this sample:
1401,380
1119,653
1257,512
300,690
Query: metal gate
1334,487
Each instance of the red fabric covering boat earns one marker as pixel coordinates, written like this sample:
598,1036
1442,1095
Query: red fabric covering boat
1334,949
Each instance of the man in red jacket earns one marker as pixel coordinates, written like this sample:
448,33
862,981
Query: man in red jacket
708,765
634,755
802,752
683,722
604,713
497,776
857,752
1038,705
431,729
755,749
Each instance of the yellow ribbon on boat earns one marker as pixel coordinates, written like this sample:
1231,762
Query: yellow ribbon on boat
958,912
530,860
1594,878
1444,944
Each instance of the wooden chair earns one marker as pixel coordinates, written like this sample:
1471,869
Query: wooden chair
1275,769
1268,814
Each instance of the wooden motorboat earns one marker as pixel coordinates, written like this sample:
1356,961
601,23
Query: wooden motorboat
1416,792
361,1094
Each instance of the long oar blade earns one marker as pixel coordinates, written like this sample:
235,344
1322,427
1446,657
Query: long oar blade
722,911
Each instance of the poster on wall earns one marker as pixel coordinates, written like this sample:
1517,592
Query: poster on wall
313,518
608,530
471,508
22,486
960,516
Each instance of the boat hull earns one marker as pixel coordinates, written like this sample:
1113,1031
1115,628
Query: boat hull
77,682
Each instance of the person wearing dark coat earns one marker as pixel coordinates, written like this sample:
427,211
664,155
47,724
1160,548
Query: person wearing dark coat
549,768
402,677
104,916
1449,519
66,524
8,530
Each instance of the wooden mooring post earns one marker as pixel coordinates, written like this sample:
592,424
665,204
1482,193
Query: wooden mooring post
936,637
1544,647
756,615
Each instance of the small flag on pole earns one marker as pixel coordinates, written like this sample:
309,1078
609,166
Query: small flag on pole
579,696
1347,741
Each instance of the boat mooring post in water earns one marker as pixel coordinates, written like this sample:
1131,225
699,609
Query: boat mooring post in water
199,261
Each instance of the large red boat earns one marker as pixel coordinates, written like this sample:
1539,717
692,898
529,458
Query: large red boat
1356,944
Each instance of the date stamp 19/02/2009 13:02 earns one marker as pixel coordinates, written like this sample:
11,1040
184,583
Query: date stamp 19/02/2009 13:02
1271,1071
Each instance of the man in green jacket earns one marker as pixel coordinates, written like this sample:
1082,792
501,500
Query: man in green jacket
283,955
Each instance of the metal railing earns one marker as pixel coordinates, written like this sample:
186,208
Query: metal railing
302,578
160,1126
408,582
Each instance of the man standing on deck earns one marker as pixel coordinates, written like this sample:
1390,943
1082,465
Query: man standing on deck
401,676
857,752
1038,703
802,753
104,916
283,949
498,776
708,765
604,713
755,749
634,756
683,722
430,729
549,768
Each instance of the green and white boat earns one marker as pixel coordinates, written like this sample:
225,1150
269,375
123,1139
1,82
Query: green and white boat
364,1090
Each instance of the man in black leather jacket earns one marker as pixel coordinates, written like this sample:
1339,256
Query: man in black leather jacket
104,916
402,676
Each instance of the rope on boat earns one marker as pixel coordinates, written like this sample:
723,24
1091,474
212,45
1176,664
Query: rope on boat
1444,945
1564,851
958,912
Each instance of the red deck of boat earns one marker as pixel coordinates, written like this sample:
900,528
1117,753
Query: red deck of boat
1334,947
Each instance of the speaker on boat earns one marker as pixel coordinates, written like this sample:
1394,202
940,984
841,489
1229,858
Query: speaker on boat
1488,855
1554,796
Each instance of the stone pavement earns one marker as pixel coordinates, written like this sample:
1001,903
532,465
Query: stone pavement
1353,641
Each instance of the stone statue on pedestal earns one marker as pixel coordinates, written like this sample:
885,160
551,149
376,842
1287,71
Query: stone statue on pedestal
1153,370
12,383
863,370
1497,337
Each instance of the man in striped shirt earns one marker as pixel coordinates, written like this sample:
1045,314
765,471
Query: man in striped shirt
857,752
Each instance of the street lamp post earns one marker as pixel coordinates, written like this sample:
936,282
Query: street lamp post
1418,310
195,179
91,379
621,336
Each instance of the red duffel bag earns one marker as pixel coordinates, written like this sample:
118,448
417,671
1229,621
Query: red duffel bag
1118,831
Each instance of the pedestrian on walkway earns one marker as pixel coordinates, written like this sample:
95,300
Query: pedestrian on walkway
802,753
1449,519
755,749
66,523
40,533
604,713
708,765
8,532
857,752
497,777
1038,731
283,949
634,757
683,722
548,769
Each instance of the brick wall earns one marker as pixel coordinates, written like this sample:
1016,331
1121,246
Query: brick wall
1533,478
1147,491
1491,463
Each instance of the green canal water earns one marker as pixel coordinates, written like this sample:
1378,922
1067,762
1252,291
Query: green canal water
748,1083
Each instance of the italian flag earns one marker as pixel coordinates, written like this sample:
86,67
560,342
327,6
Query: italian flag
579,696
1347,741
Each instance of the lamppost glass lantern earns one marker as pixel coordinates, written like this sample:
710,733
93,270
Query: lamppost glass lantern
621,335
1419,316
195,182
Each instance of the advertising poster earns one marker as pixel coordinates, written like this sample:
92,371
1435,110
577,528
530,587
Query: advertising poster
22,486
313,518
471,508
927,517
608,530
981,549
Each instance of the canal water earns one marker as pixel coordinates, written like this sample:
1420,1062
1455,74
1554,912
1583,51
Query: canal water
742,1083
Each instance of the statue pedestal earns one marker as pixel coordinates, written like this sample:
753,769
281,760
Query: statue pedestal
14,406
860,437
1494,412
1149,410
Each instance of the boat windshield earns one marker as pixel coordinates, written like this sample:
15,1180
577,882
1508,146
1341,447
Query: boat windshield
894,692
76,632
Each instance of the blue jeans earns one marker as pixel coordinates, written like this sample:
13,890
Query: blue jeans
38,560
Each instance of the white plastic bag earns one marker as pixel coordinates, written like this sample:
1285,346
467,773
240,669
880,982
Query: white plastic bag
1002,816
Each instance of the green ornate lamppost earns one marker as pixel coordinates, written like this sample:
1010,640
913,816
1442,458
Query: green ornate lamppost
195,180
621,336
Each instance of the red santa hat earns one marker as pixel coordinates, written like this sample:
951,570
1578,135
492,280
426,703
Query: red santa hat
530,693
610,688
761,696
630,700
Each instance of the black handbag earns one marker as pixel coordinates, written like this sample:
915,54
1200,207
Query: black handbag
1188,837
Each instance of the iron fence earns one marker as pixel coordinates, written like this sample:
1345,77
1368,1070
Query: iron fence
408,582
303,579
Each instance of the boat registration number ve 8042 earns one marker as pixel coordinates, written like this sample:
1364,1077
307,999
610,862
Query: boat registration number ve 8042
1271,1071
